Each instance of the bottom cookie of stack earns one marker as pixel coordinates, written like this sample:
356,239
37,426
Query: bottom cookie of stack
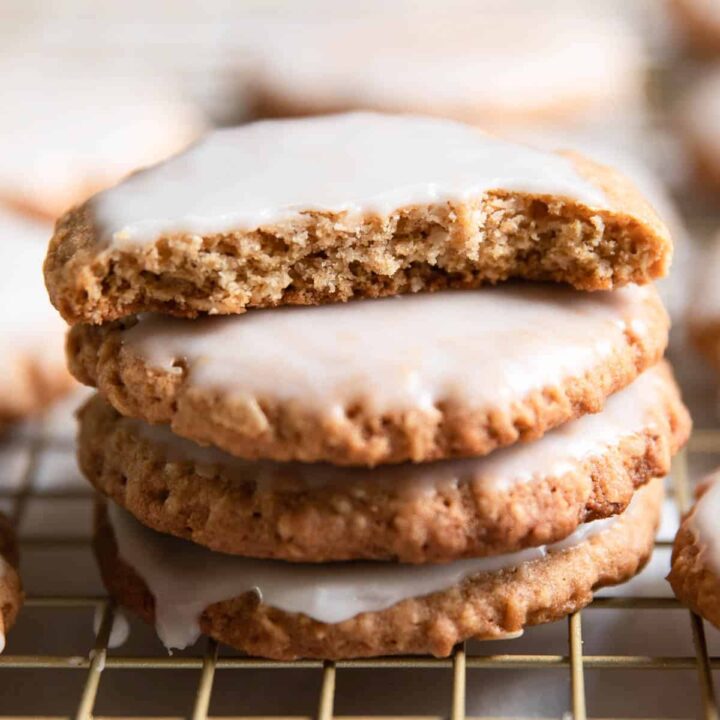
284,611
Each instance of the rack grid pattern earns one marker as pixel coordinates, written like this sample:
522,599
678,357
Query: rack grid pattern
97,663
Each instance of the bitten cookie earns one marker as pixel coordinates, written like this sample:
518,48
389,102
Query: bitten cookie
32,361
528,495
620,150
695,574
420,377
11,594
327,209
71,128
285,611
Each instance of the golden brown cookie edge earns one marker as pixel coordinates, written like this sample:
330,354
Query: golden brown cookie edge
485,606
626,243
278,431
214,507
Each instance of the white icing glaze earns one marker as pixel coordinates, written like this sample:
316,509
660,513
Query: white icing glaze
625,414
67,127
490,64
120,630
705,520
185,578
28,321
362,163
485,347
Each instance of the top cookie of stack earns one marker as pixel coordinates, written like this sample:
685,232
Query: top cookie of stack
360,205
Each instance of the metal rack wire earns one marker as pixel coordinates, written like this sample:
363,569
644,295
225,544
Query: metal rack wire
203,668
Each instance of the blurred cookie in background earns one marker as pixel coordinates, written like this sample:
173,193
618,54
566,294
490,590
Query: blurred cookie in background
698,120
68,129
489,63
32,356
698,22
704,319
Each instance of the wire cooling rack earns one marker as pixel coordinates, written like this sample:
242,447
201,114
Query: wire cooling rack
633,653
54,665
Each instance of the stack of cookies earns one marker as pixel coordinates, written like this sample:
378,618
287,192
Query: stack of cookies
355,397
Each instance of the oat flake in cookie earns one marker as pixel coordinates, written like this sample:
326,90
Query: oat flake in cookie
361,205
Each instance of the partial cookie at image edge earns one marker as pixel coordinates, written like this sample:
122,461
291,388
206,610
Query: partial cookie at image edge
11,593
694,579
